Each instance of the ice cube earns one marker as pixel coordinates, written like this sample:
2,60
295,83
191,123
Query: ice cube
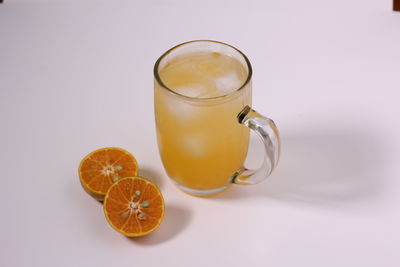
191,90
228,83
194,145
181,111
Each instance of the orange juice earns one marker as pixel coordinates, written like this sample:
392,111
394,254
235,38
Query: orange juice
200,140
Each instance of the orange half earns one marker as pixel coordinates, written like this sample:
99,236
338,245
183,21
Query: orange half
134,206
102,167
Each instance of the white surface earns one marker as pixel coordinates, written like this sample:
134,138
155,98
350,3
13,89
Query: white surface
77,75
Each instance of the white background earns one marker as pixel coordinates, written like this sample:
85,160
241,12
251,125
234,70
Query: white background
77,75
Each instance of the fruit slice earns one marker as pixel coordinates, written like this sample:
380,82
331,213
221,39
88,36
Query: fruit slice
134,206
101,168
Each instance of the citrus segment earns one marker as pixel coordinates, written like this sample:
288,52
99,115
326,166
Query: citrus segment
134,206
102,167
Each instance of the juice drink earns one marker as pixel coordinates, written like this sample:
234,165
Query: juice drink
200,140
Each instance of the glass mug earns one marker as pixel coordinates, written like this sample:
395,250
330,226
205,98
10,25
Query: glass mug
203,137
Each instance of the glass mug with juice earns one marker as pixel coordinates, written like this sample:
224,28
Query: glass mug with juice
202,97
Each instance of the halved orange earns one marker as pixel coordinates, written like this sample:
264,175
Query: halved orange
134,206
104,166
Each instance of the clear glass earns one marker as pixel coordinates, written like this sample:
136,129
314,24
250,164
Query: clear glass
203,142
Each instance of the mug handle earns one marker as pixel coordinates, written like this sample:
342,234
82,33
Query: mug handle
266,129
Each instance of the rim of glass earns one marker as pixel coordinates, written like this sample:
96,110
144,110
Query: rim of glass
160,82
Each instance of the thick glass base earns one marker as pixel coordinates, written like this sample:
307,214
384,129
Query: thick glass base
201,193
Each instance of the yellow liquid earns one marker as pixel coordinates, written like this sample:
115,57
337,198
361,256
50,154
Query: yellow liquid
200,140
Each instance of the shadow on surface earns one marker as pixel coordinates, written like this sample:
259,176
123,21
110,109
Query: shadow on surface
321,168
175,221
152,175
